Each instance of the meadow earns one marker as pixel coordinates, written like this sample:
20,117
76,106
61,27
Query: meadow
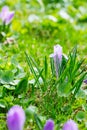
43,64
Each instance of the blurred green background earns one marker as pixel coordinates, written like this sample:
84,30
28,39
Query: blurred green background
40,24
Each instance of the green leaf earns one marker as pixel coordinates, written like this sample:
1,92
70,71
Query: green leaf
9,87
80,94
36,65
38,122
31,67
38,77
72,61
30,112
7,77
52,66
80,115
78,85
2,103
64,89
45,67
22,85
84,106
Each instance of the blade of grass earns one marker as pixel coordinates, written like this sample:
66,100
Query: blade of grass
31,67
35,64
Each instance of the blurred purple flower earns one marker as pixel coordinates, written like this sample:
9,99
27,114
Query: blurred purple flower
49,125
15,118
85,81
6,15
70,125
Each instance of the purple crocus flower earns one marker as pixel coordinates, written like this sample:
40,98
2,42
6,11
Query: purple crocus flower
57,56
6,15
70,125
15,118
85,81
58,52
49,125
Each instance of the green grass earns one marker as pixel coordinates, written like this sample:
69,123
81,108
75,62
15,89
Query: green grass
25,71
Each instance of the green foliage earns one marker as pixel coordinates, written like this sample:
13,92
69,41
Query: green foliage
59,90
29,80
21,87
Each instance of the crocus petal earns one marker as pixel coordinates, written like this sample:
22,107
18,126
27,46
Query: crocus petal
15,118
9,18
58,52
49,125
70,125
5,9
57,56
6,15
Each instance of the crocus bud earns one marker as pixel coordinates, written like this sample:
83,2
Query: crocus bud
49,125
57,56
6,15
58,52
15,118
70,125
